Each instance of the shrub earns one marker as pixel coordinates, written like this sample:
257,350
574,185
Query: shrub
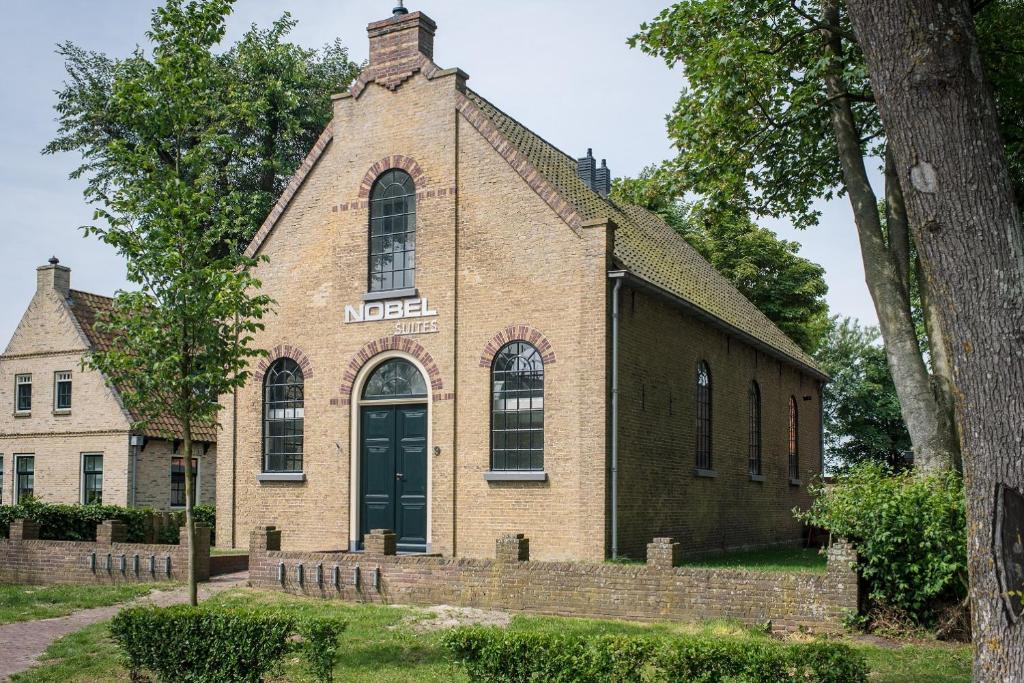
910,533
502,656
58,522
205,515
321,646
184,644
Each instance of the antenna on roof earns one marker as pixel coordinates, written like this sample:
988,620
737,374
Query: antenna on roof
400,9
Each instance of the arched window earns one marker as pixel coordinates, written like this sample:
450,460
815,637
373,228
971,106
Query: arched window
517,408
393,232
755,428
794,440
395,378
283,388
703,429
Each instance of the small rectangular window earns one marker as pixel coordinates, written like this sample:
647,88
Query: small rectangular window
92,478
62,391
178,481
25,473
23,393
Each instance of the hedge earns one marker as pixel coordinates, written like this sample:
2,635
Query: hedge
58,522
502,656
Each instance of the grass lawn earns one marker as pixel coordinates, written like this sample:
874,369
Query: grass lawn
396,644
22,603
767,560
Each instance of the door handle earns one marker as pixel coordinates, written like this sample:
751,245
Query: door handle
399,476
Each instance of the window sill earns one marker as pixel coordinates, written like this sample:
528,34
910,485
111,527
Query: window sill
706,474
22,413
62,411
756,477
281,476
795,482
407,293
498,475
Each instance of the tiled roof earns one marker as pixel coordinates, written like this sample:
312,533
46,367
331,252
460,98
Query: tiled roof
89,309
646,246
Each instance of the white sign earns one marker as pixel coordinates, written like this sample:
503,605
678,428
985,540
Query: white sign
372,311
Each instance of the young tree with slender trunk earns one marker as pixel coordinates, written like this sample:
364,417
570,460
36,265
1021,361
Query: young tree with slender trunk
943,129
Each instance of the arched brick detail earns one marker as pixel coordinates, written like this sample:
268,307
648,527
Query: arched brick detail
284,351
403,344
517,333
405,163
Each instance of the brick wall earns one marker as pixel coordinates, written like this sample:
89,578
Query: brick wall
26,559
790,600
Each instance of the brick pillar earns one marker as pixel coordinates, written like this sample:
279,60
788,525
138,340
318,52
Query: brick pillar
202,549
24,530
663,553
380,542
512,548
842,574
111,531
842,557
264,538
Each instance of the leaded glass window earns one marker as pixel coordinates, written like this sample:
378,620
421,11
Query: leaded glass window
754,440
703,426
393,232
92,478
283,417
794,440
25,473
178,481
517,408
395,378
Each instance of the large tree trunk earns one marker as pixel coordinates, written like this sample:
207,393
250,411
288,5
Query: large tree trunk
933,441
941,121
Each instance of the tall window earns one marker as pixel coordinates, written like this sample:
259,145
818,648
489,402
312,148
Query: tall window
755,429
517,408
178,481
395,378
283,416
703,426
794,440
1,479
25,478
393,232
62,391
23,393
92,478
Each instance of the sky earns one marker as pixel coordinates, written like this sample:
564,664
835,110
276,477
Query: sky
561,67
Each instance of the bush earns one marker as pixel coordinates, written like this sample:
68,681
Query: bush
910,534
501,656
59,522
184,644
321,646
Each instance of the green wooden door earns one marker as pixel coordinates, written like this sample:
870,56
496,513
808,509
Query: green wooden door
393,473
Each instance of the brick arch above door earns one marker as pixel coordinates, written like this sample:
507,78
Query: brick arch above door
404,344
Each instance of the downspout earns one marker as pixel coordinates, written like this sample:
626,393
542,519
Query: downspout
617,276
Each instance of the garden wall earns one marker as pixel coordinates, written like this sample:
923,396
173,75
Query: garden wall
26,559
655,591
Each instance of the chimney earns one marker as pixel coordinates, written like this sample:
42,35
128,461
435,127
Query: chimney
53,277
603,180
597,179
403,37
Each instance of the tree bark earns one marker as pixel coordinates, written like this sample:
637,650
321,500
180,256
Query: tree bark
190,525
940,119
933,445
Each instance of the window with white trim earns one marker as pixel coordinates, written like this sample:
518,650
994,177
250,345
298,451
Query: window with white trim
23,393
62,390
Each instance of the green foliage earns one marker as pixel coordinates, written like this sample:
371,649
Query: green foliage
863,422
184,644
321,646
910,533
59,522
787,288
502,656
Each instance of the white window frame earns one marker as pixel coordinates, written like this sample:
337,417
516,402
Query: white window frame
15,498
21,379
58,377
81,474
199,472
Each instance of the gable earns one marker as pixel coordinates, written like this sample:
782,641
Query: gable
47,326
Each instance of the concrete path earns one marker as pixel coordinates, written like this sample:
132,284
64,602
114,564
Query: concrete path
23,642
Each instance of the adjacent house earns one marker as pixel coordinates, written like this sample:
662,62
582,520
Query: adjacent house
471,338
65,436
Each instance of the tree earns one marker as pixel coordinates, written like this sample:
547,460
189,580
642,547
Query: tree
787,288
778,111
862,412
944,135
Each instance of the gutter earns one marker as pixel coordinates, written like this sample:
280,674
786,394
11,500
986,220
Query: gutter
618,276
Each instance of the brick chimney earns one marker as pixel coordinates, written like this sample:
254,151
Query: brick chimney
400,39
53,277
597,179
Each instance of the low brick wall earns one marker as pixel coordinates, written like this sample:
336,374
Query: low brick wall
26,559
228,564
656,591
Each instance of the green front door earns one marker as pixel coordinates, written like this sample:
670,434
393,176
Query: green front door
393,473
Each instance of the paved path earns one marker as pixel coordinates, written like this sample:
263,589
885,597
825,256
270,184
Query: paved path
23,642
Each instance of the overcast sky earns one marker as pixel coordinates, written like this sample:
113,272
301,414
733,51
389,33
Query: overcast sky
562,67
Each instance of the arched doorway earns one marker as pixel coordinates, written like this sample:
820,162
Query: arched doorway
392,468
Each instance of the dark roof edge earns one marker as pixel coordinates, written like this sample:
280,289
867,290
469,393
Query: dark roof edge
715,321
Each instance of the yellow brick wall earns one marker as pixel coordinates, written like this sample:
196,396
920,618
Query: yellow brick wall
153,471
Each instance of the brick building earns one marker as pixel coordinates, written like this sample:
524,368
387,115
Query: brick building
471,339
65,436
